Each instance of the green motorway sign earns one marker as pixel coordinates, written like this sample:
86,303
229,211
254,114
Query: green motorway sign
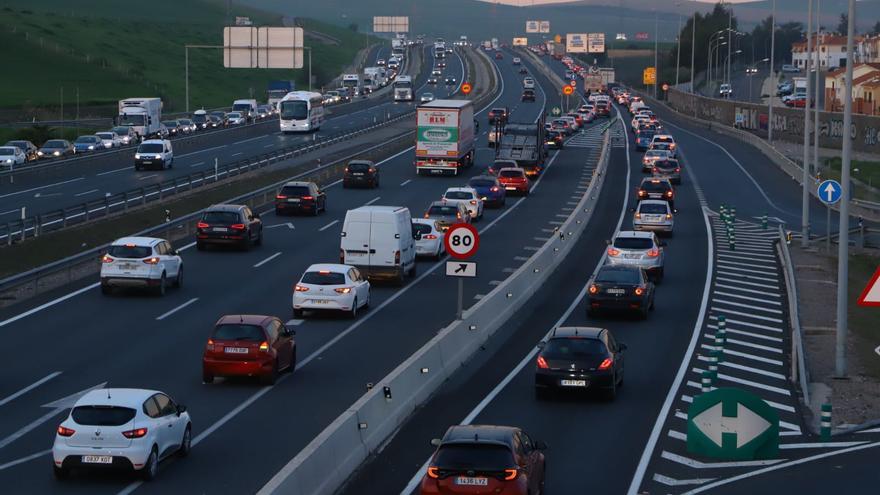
732,424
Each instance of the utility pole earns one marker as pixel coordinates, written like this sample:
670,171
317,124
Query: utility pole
805,190
843,227
772,71
678,53
816,100
730,41
656,69
693,52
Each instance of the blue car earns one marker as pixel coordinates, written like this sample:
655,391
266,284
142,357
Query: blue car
490,190
85,144
643,139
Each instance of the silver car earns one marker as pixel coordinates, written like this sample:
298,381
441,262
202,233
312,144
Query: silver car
653,215
667,169
652,156
641,249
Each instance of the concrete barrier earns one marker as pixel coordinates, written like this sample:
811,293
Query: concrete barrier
318,468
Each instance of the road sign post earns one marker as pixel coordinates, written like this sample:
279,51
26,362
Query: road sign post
732,424
829,192
461,242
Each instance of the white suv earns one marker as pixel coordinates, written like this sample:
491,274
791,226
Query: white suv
154,153
121,428
468,197
144,262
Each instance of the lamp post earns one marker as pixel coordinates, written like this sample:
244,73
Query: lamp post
693,50
805,192
772,72
712,41
727,64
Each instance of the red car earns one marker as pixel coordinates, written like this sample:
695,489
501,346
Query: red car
472,459
249,345
514,180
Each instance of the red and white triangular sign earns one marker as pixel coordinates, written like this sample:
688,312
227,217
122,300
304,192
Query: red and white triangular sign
871,295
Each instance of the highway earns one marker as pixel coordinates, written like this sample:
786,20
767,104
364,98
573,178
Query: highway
156,343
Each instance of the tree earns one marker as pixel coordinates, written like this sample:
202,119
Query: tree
843,25
707,25
876,29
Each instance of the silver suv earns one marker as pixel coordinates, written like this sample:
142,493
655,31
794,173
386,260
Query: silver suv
641,249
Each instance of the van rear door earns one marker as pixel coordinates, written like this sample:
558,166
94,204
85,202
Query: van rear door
356,240
384,243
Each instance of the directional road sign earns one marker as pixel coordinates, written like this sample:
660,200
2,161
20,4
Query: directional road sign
556,110
732,424
461,241
871,295
461,269
466,88
830,191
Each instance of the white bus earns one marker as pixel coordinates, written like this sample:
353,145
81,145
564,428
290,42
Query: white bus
403,88
301,111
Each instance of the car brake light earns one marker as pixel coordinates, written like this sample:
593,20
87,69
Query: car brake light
594,289
237,226
264,346
542,363
210,345
433,472
473,201
429,236
655,170
202,225
65,432
639,291
458,215
308,198
136,433
653,253
495,189
678,169
106,259
642,192
606,363
510,474
613,252
426,215
152,261
300,288
668,194
343,290
280,196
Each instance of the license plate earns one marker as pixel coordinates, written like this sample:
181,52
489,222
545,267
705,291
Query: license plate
220,229
471,481
654,218
358,174
510,188
320,301
147,162
235,350
632,256
127,266
293,200
97,459
616,291
435,171
573,383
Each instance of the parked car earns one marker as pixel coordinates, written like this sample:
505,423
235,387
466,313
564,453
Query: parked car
143,263
55,148
27,147
300,197
249,345
227,224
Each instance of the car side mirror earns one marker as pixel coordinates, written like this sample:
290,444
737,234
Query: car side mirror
173,252
181,409
540,445
435,442
622,347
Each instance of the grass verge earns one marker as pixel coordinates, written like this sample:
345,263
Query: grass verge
868,176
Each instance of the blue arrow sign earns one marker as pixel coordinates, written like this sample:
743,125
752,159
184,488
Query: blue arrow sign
829,191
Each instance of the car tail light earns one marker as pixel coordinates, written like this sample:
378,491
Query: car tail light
202,225
396,257
613,252
642,192
542,363
343,290
639,291
152,261
426,215
458,216
264,346
433,472
106,259
136,433
653,253
280,196
606,364
668,194
655,170
495,189
210,345
678,169
510,474
65,432
594,289
429,237
473,201
237,226
308,198
300,288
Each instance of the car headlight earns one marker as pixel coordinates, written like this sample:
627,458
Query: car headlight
158,157
8,161
39,153
137,156
91,146
56,153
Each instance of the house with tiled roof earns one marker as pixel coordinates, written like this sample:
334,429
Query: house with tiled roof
866,78
831,48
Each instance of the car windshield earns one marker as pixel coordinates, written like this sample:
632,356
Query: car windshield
129,251
572,348
633,242
479,457
199,118
666,164
646,134
358,167
54,144
185,121
102,415
294,109
170,123
85,139
150,148
652,208
241,106
323,277
128,119
105,135
619,276
427,95
7,151
442,211
221,217
655,153
458,195
481,183
17,144
239,331
122,131
511,173
295,191
233,115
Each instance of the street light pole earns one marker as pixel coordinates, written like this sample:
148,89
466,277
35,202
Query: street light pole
656,45
772,72
805,191
678,53
816,99
730,37
693,52
843,227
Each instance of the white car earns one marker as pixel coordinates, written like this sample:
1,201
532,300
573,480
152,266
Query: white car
154,153
141,262
725,91
429,237
121,428
11,156
467,196
528,83
427,97
236,118
572,122
109,139
654,215
331,287
652,156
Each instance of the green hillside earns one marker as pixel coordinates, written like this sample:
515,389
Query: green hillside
111,53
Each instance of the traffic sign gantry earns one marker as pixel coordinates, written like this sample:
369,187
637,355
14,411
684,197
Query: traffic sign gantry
871,295
567,90
829,191
466,88
461,241
732,424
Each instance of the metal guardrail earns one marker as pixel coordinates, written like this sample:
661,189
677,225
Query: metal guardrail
798,372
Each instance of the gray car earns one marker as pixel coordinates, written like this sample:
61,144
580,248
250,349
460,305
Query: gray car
667,169
641,249
447,214
653,215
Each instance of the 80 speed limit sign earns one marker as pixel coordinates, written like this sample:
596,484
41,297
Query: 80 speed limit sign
461,241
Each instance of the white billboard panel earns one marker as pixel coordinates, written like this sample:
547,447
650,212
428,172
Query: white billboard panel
248,47
532,26
596,43
520,42
544,27
576,43
390,24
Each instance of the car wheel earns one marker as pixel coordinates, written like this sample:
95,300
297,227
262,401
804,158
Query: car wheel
292,366
160,290
272,377
185,442
611,392
354,310
151,467
106,290
200,246
297,313
207,378
178,282
259,241
60,473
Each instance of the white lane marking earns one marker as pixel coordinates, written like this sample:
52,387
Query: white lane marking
147,177
201,151
748,383
751,277
531,248
24,191
743,343
744,334
495,282
114,171
757,371
196,164
743,355
270,258
746,298
49,304
819,445
479,296
747,306
25,459
295,323
268,146
86,192
29,387
877,350
747,315
751,291
175,310
334,222
691,463
236,154
16,210
407,181
753,284
666,480
748,324
728,265
368,203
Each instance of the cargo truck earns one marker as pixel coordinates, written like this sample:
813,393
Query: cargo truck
444,137
143,115
403,88
524,144
276,90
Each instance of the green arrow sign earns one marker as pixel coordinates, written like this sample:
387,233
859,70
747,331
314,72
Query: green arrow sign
555,111
732,424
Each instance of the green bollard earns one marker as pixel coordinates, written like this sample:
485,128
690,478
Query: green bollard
825,423
764,221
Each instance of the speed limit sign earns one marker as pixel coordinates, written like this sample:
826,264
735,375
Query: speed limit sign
461,241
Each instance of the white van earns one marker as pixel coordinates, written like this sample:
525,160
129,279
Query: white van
248,108
379,241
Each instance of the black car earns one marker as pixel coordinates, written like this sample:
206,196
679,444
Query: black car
500,114
579,359
305,197
528,95
224,121
234,225
26,147
432,80
624,288
214,122
55,148
450,81
656,188
523,70
360,173
173,127
554,139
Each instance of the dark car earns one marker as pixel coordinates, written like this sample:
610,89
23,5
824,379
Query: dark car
432,80
361,173
26,147
499,114
523,70
624,288
667,169
300,197
528,95
473,459
233,225
214,121
656,188
249,345
490,190
173,127
450,81
222,116
499,56
579,359
554,139
643,138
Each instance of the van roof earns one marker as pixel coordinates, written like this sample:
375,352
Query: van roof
380,209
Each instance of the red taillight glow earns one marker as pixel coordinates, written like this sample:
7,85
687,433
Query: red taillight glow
106,259
396,257
300,288
308,198
668,194
542,363
237,226
606,363
264,346
136,433
202,225
343,290
473,201
678,169
495,189
653,253
433,472
152,261
65,432
639,291
510,474
429,237
280,196
594,289
613,252
210,345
